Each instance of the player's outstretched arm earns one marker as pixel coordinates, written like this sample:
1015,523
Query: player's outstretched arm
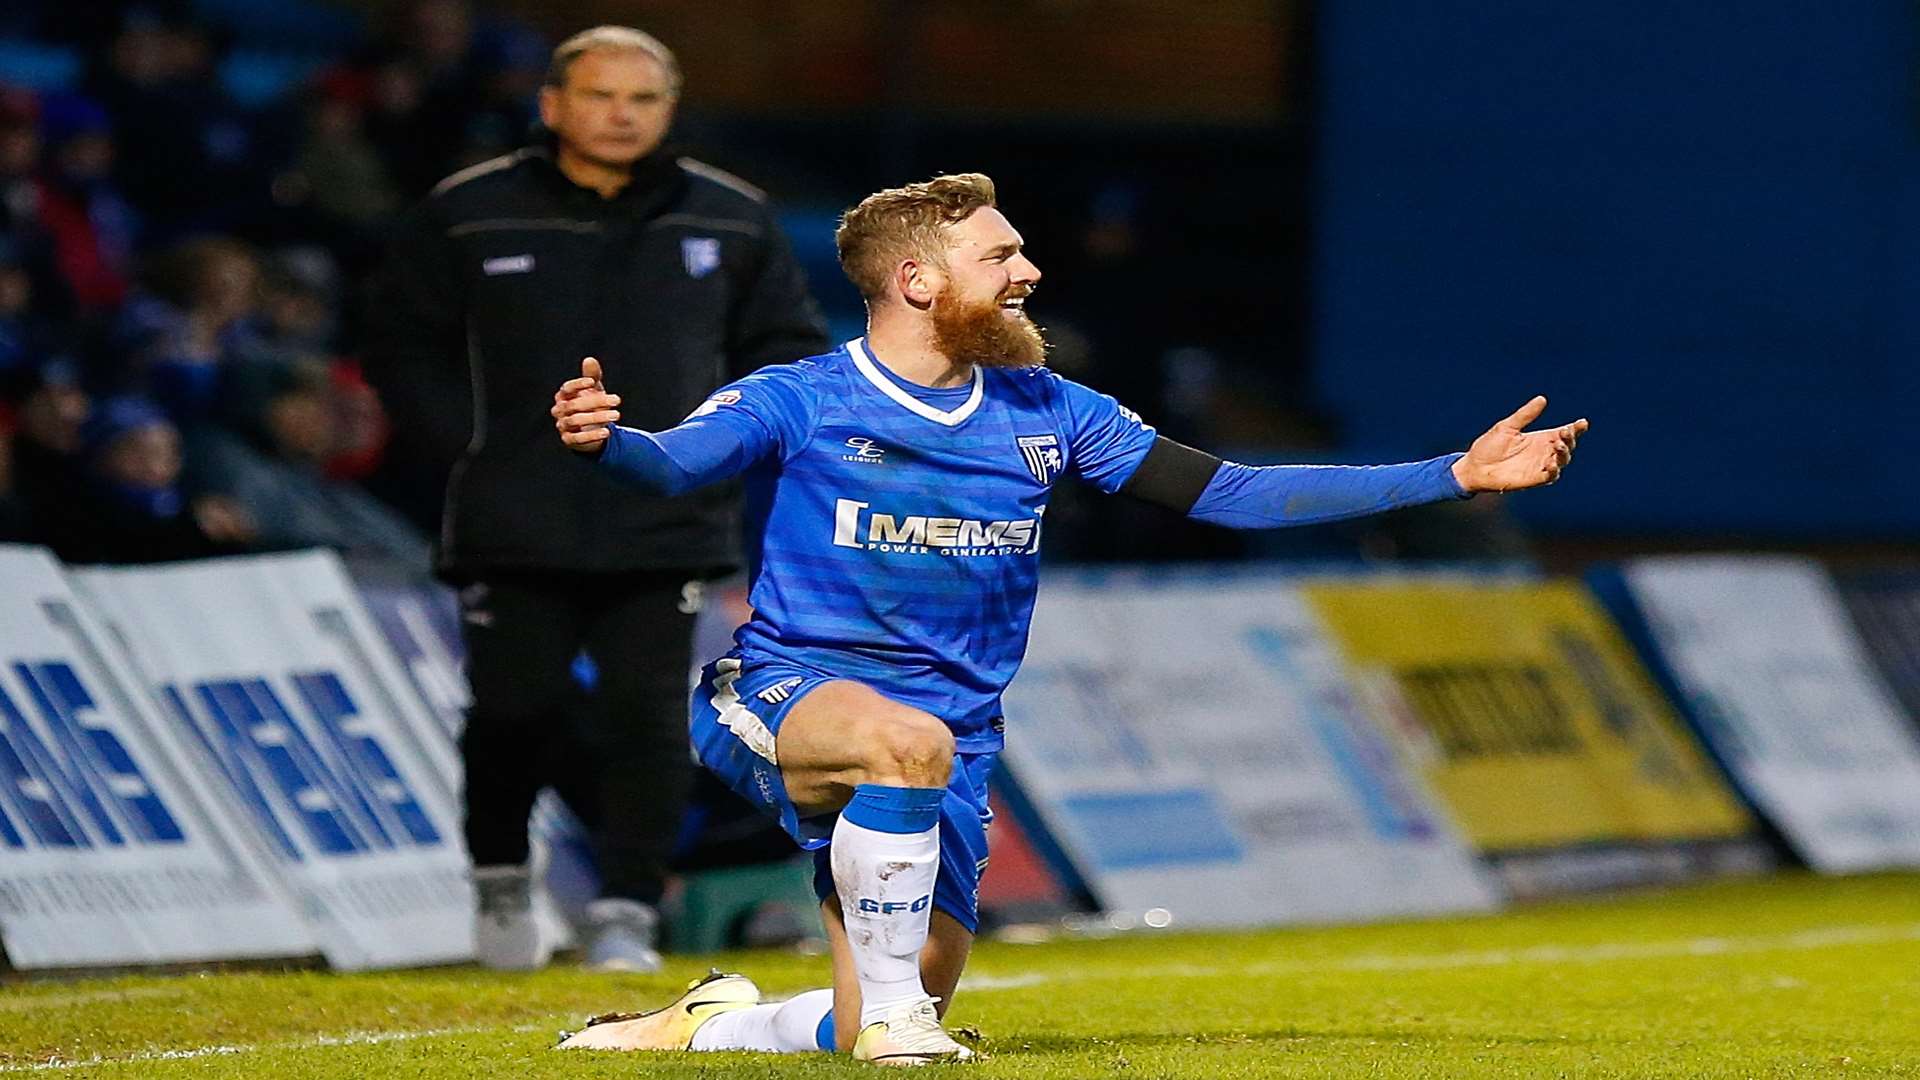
1506,458
665,463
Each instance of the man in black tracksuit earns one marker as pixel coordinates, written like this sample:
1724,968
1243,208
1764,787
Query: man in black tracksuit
675,276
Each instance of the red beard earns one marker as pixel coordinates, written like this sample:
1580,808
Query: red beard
981,334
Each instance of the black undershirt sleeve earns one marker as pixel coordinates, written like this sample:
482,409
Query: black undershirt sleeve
1172,475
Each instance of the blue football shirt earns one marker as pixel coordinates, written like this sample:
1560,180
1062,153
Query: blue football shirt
894,530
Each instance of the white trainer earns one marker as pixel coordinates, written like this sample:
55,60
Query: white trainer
506,937
620,936
910,1035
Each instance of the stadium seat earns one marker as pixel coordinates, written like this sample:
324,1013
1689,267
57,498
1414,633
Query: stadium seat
32,65
287,24
257,79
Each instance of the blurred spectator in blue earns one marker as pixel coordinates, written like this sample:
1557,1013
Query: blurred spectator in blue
129,506
26,339
201,311
426,82
280,423
188,154
49,406
20,150
91,227
299,303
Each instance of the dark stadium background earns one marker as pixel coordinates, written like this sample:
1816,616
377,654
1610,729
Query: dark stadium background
1284,230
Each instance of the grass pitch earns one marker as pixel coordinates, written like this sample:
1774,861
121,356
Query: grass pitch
1792,976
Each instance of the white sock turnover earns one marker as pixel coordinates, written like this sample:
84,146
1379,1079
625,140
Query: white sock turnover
781,1027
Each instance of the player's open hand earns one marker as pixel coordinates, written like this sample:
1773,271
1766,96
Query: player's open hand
583,411
1511,458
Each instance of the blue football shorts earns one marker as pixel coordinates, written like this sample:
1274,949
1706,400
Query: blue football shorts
736,713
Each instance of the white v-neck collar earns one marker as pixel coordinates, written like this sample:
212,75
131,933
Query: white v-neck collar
857,348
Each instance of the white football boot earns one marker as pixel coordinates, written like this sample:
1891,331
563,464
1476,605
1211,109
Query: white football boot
670,1028
910,1035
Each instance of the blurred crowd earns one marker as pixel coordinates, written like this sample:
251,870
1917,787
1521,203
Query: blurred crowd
177,306
182,263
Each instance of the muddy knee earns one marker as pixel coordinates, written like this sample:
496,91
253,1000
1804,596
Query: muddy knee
911,749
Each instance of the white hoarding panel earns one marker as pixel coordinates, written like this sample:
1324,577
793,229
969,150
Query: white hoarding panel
1787,696
111,850
314,730
1196,748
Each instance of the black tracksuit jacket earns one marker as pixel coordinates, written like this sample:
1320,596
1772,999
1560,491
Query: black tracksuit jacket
509,273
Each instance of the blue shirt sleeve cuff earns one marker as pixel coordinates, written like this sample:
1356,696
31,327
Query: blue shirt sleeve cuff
1453,482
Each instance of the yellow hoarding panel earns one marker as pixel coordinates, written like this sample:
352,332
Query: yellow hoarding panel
1528,713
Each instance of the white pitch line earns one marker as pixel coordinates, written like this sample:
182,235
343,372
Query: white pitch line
85,997
1799,941
356,1038
1824,937
1817,938
977,983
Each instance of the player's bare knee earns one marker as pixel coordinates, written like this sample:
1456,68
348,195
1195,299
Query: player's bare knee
916,749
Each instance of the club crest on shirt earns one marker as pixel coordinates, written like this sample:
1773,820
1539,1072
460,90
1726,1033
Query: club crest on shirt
1042,453
700,255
